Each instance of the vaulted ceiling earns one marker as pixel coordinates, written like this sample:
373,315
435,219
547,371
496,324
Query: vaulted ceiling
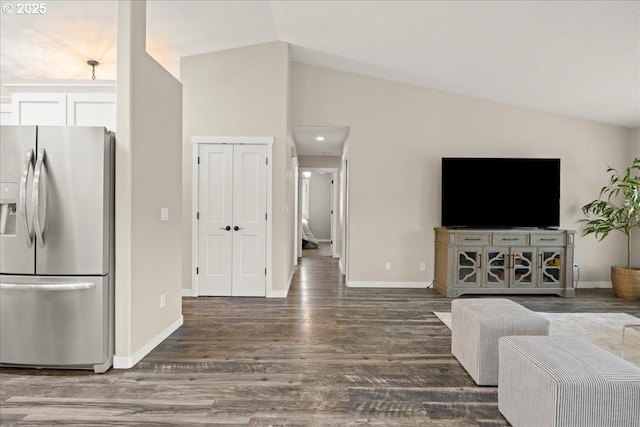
578,58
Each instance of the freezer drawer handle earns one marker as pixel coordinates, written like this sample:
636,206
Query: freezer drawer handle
48,287
28,166
40,226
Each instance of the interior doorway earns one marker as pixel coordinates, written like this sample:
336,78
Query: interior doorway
318,196
323,148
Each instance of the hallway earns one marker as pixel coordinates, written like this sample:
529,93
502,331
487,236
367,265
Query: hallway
327,355
324,249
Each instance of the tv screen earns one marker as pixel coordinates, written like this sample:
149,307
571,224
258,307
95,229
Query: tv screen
500,192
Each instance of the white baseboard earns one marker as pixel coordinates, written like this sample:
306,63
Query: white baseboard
583,285
278,294
354,284
189,293
126,362
284,293
341,265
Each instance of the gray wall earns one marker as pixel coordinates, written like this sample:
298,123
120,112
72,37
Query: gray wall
242,92
398,134
148,174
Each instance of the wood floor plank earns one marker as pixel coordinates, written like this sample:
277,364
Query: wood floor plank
108,407
131,421
327,355
211,379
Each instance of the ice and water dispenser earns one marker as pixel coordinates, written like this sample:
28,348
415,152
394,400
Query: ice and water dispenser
8,207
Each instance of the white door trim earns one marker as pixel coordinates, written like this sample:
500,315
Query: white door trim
334,207
296,204
345,244
252,140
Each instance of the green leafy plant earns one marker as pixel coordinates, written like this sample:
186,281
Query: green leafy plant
617,208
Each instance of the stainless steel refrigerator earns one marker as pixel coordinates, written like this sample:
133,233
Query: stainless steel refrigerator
57,247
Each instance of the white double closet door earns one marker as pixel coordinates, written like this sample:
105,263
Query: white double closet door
232,220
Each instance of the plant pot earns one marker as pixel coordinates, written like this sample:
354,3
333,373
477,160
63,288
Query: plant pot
626,282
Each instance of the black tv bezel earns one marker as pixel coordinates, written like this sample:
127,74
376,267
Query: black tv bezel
513,223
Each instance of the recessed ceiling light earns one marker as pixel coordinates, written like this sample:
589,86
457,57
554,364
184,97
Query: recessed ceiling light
319,138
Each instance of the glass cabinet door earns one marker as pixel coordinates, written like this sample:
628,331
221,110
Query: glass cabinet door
496,268
551,264
523,268
467,267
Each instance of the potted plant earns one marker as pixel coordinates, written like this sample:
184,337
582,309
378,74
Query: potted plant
618,209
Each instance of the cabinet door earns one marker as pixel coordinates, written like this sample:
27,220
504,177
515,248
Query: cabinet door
551,267
39,109
467,270
91,109
523,269
509,267
496,267
6,112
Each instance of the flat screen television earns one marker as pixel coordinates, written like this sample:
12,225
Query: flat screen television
500,192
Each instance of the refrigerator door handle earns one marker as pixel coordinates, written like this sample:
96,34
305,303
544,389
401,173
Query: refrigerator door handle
24,178
48,287
40,227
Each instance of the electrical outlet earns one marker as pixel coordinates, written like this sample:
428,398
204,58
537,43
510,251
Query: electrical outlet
387,266
164,214
163,300
423,266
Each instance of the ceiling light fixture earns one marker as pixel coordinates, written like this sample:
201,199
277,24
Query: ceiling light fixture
320,138
93,64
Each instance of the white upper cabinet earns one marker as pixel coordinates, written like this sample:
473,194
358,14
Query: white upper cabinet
91,109
6,111
39,109
71,105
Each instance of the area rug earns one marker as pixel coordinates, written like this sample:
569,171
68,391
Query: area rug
602,329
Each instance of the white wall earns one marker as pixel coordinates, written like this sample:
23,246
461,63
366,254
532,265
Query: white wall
320,205
148,177
398,134
243,92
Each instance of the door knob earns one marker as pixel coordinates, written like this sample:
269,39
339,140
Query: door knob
228,227
236,228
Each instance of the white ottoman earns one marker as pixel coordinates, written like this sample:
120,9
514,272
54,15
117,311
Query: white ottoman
476,325
565,381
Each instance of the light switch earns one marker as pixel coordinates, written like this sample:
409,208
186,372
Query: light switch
164,214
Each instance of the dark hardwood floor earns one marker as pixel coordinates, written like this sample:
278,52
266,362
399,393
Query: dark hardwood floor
327,355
